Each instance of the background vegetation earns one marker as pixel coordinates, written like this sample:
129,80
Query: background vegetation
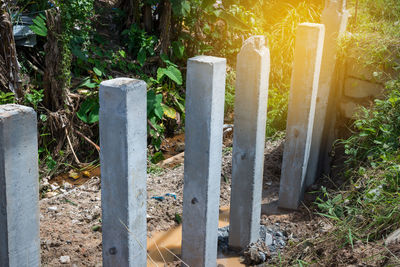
362,202
82,42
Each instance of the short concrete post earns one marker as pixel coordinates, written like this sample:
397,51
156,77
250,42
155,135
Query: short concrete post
253,66
205,95
302,101
123,140
335,20
19,187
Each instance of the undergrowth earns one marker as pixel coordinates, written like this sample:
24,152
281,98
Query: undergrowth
367,207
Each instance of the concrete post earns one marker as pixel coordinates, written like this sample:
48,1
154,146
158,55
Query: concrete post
335,21
123,141
205,95
302,101
19,187
253,66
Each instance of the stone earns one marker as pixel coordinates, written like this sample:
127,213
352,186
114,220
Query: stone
348,109
19,187
357,88
123,157
268,239
358,70
302,102
67,186
52,208
252,78
50,194
393,238
334,17
65,259
205,96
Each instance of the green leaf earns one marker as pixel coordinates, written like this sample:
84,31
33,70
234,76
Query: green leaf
39,31
89,111
178,49
174,74
97,71
169,112
141,56
39,25
165,59
87,83
180,8
160,74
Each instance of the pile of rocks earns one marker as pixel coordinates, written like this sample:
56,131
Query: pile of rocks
271,240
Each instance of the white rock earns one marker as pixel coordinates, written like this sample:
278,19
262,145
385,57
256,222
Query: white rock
268,239
393,238
52,208
65,259
68,186
54,186
45,182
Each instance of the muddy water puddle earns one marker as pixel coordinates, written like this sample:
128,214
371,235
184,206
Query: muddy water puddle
77,178
163,245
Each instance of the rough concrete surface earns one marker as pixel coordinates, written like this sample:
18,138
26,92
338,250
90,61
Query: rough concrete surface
19,187
205,96
123,156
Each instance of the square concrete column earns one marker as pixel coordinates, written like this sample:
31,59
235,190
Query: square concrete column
205,97
123,141
334,17
19,187
302,102
251,95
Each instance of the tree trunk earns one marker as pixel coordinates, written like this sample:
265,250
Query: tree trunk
165,26
132,10
54,79
9,68
147,18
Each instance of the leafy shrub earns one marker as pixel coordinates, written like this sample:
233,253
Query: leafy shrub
369,208
6,98
34,98
139,44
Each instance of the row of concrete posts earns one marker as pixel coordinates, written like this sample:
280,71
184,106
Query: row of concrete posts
123,140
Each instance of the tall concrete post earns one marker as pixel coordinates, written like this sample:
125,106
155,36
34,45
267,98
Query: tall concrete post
19,187
123,141
302,102
253,66
205,95
329,135
334,17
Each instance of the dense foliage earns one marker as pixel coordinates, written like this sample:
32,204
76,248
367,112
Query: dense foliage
149,40
367,206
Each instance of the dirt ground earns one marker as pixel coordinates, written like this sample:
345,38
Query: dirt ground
71,222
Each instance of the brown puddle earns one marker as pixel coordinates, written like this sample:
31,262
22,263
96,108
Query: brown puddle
78,177
172,241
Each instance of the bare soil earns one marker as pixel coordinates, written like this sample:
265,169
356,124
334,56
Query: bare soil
71,221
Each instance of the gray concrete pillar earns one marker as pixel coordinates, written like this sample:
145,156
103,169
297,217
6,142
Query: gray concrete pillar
252,76
335,21
123,141
205,95
302,102
19,187
329,136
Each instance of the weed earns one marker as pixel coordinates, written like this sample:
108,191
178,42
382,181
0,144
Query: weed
369,207
6,98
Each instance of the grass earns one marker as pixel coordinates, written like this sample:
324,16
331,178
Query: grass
367,207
